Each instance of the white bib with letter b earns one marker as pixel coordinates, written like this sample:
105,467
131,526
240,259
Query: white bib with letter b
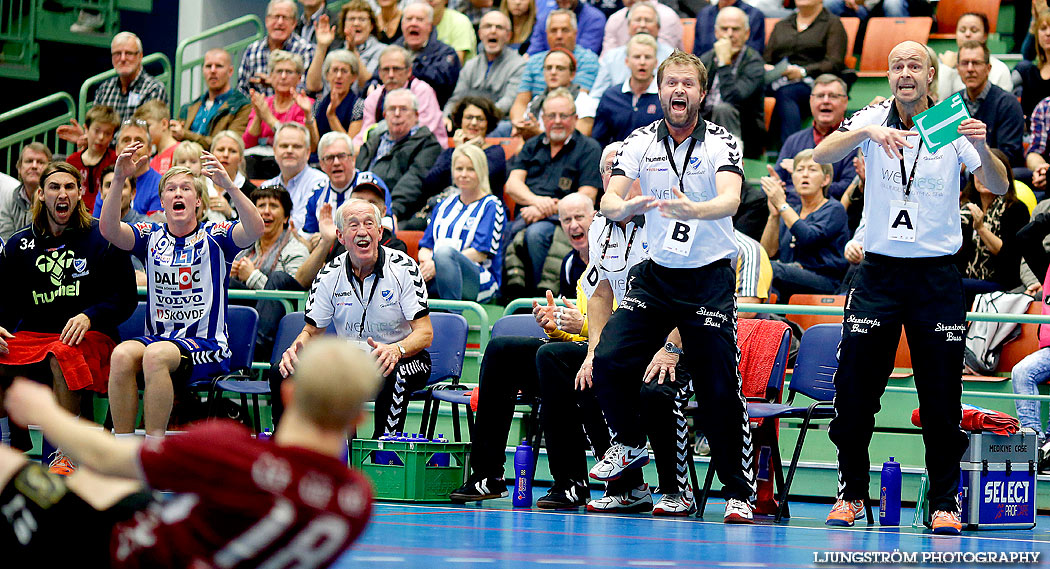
680,236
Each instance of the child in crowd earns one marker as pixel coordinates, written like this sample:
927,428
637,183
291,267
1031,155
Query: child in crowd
101,123
188,154
156,113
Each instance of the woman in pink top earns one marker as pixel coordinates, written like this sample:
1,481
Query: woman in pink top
285,105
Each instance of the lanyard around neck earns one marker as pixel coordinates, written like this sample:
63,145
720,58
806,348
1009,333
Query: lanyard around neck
685,164
904,174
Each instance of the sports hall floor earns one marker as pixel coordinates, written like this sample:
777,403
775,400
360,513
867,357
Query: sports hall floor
496,535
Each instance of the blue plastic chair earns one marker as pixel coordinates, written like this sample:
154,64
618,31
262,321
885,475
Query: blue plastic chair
447,353
813,377
135,325
242,323
457,395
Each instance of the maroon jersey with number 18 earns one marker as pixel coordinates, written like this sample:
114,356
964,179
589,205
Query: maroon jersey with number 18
241,503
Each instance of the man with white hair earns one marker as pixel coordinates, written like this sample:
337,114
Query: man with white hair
281,19
402,155
337,154
433,60
395,72
616,33
642,19
590,24
392,322
735,81
132,86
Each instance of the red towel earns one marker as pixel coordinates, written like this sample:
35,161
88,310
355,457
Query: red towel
758,338
85,366
977,419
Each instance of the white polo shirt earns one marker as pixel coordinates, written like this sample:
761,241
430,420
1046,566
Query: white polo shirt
673,243
381,307
934,191
613,252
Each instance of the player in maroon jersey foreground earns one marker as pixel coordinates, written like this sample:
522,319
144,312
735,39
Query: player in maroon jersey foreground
238,501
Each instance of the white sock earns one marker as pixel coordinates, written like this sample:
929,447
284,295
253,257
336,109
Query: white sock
154,437
124,435
5,431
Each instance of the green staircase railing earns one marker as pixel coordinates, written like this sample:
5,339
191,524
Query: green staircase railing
44,120
19,52
189,77
92,83
53,25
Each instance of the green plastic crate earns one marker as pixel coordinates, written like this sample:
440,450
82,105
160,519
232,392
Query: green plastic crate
413,480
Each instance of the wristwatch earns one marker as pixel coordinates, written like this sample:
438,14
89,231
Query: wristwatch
401,349
783,207
670,348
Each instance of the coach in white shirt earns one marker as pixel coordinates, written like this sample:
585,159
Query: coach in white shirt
690,174
907,276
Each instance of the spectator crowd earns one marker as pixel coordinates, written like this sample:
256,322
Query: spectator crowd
436,149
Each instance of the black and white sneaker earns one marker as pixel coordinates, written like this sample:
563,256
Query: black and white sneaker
570,498
636,500
479,488
1044,454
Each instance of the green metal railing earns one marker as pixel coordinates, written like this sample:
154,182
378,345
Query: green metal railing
189,76
42,130
91,83
19,51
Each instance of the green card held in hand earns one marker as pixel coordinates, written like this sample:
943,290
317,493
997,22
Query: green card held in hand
939,125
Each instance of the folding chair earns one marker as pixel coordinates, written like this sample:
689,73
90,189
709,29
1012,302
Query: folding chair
770,392
813,377
447,352
135,325
456,395
242,323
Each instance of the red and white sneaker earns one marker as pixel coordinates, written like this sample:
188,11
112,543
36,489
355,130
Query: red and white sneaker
676,504
635,500
739,512
617,459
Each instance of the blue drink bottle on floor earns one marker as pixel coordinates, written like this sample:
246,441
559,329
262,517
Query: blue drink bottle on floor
523,476
890,494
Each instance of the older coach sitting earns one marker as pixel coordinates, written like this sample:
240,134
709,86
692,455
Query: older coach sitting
393,325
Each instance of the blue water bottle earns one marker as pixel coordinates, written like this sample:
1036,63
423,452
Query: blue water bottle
523,476
890,495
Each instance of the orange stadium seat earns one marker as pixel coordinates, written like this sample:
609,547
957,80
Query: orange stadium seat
510,146
411,239
949,11
688,33
882,35
771,103
807,320
852,26
770,22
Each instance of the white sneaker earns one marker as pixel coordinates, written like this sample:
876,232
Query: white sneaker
738,512
702,448
617,459
676,504
636,500
87,22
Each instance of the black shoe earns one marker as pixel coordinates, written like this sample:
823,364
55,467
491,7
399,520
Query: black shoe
1044,454
570,498
479,488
